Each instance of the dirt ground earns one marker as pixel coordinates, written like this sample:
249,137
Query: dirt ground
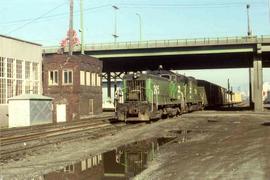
233,146
219,145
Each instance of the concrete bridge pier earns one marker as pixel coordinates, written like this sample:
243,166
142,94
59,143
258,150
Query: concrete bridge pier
109,93
251,100
257,83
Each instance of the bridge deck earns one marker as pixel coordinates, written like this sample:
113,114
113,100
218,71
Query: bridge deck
238,40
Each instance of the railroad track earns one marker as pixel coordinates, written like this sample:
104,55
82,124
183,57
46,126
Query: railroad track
37,128
16,146
47,133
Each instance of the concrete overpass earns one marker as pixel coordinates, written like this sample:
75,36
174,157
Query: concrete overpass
202,53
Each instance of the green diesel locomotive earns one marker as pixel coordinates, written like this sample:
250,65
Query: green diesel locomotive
158,94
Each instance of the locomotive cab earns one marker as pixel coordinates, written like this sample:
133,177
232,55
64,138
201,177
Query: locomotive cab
135,106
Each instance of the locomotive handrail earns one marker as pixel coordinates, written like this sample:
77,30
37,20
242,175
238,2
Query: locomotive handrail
152,105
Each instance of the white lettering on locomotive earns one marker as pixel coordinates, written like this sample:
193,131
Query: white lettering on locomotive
156,89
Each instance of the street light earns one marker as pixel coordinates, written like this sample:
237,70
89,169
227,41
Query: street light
140,25
115,36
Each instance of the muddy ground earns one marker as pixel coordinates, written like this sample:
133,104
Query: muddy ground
219,145
233,146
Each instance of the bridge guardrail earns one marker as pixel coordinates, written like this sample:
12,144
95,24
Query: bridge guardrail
168,43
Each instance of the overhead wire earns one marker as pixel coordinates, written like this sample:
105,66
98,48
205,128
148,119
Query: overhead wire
45,16
35,19
214,5
53,16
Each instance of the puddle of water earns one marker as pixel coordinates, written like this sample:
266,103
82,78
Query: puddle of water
266,124
122,163
176,131
212,120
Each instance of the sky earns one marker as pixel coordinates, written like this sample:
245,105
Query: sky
46,22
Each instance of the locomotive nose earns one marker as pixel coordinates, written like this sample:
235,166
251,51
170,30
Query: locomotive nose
133,111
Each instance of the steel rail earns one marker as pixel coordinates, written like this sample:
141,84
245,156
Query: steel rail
16,153
46,133
38,128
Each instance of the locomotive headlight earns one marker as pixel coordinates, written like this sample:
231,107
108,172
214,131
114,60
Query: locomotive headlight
135,75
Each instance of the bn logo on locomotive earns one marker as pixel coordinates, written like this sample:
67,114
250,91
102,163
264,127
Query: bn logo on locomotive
156,89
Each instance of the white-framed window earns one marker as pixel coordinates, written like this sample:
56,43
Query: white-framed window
93,79
99,158
94,160
67,77
3,86
83,165
88,79
18,76
35,87
98,80
53,77
18,69
2,91
35,71
82,77
10,87
69,169
2,67
27,87
27,70
10,68
19,87
89,163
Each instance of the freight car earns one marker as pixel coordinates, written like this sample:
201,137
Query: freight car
158,94
216,95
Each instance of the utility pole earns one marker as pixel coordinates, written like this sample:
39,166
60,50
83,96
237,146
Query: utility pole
140,25
82,27
70,32
248,21
269,9
249,33
115,36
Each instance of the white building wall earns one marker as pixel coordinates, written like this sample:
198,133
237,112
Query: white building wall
19,116
14,52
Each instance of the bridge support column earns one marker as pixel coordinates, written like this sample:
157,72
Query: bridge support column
251,101
257,83
109,84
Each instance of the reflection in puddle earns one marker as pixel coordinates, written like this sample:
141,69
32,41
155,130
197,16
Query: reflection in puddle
266,124
122,163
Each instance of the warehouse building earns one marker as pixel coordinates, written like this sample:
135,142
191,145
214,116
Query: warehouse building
20,71
74,83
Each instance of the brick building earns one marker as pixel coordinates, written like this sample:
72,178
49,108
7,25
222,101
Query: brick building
75,84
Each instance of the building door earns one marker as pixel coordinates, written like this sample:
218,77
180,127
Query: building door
91,106
61,113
